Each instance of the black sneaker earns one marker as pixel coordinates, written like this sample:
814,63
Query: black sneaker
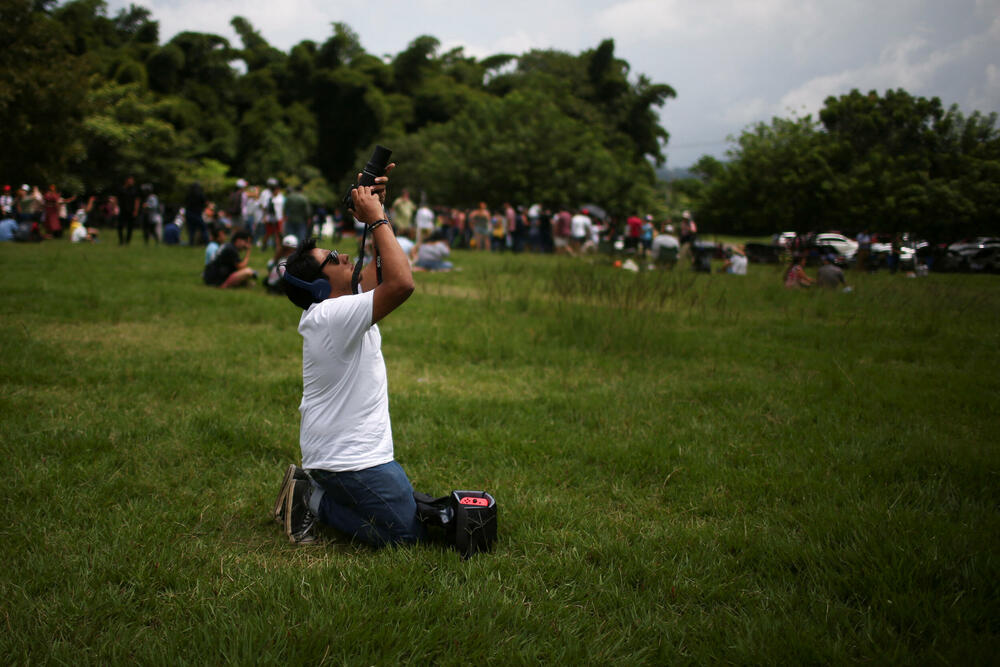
293,472
299,521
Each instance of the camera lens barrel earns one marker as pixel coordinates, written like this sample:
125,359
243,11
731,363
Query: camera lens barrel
376,165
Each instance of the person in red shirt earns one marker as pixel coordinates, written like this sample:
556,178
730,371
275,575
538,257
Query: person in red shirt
634,230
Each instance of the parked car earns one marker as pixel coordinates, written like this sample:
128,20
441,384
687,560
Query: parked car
976,255
968,248
844,246
987,259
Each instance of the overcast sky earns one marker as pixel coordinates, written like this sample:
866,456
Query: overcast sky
732,62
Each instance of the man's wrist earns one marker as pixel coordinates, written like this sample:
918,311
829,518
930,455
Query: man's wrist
378,223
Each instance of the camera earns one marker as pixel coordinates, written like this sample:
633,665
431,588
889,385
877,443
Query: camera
375,168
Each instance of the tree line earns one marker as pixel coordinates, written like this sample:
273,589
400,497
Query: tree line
885,163
90,98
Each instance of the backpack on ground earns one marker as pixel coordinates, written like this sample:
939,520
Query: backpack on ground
468,519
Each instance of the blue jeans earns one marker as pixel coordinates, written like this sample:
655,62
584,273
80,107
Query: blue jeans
436,265
374,505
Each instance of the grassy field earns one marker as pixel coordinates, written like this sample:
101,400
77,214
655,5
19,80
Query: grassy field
689,468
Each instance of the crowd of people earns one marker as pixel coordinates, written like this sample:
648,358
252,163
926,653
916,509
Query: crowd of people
282,218
273,215
534,228
31,215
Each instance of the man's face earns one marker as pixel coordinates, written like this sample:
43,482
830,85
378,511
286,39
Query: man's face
241,244
338,271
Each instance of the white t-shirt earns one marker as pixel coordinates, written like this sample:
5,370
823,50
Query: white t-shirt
425,218
264,199
579,225
738,265
345,397
78,235
661,241
279,205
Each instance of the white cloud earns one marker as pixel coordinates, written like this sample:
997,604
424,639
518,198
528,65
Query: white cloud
516,43
911,63
745,112
987,96
643,19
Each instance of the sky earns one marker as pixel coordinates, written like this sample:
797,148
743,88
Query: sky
733,63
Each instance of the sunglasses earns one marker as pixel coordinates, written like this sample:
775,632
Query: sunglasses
332,257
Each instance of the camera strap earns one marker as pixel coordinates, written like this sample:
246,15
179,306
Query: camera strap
356,278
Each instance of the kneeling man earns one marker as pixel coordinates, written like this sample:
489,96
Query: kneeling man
349,477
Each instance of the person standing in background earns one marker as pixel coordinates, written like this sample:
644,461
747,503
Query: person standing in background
194,205
297,211
53,204
402,212
128,210
424,221
152,216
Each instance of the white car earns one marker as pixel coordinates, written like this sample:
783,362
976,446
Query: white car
843,245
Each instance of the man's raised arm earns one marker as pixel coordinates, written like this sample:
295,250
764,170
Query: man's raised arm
397,279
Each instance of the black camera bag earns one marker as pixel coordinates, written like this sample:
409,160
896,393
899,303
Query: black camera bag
469,519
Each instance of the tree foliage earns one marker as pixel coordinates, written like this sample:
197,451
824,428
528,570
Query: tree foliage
889,163
90,98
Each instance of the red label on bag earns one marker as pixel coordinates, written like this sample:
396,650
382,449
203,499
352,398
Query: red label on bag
470,500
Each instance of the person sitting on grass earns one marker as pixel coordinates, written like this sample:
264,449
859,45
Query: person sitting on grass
432,253
218,238
227,269
830,275
796,274
172,230
736,261
274,283
8,229
349,478
78,230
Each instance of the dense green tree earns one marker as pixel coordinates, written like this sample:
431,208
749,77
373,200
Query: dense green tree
779,178
127,134
42,96
890,163
519,148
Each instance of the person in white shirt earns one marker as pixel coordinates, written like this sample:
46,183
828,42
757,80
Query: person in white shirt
666,247
736,262
278,203
349,478
425,222
580,227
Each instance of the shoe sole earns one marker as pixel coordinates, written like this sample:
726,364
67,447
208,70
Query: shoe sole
286,484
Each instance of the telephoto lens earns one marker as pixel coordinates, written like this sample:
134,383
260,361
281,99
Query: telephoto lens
375,168
376,165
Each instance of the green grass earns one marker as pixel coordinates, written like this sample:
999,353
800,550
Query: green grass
689,468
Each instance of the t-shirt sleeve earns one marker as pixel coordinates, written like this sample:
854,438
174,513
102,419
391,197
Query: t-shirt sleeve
346,318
